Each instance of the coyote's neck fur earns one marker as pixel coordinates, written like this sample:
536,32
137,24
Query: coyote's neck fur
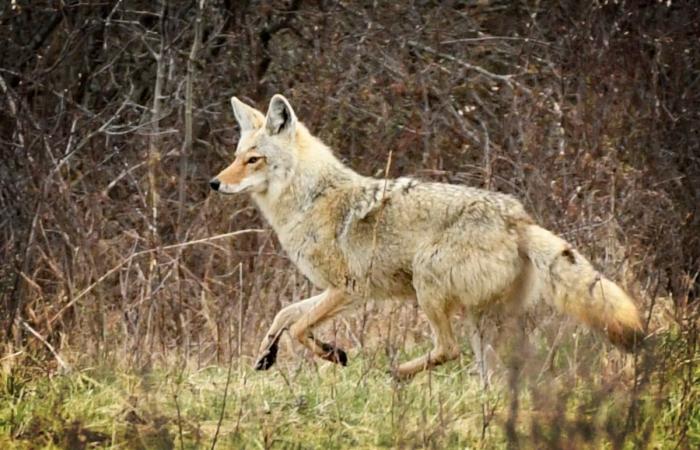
316,171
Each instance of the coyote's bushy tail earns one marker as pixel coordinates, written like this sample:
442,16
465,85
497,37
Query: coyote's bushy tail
564,278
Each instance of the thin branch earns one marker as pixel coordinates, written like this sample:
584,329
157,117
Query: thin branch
65,368
375,116
507,79
223,402
147,252
189,119
103,129
496,38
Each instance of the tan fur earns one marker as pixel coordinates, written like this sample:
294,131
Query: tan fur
441,245
235,173
570,282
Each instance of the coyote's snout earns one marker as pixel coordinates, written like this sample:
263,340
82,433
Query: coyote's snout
441,245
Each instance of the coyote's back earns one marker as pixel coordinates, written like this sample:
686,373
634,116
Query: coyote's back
443,245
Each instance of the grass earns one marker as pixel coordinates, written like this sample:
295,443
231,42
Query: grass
310,404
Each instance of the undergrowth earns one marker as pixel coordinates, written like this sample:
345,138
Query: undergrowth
308,404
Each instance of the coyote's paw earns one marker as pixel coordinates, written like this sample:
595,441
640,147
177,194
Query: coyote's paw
334,354
398,377
269,355
267,359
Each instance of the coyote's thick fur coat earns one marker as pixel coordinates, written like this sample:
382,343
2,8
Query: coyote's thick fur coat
443,245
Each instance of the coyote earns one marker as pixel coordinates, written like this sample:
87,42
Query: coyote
441,245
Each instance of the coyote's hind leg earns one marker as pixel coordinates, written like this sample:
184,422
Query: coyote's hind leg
485,357
446,347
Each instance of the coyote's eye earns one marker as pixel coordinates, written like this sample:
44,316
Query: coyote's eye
253,159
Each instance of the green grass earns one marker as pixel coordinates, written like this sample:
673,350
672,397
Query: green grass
320,405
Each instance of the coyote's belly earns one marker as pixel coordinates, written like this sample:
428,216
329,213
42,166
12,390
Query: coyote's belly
361,263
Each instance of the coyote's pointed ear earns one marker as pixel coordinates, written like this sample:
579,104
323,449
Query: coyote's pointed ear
280,117
248,117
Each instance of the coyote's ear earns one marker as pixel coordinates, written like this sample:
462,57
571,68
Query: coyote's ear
248,117
280,117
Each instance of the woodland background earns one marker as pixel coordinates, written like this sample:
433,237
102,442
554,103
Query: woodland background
115,114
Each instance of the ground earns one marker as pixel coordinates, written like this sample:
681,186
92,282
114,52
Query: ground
303,403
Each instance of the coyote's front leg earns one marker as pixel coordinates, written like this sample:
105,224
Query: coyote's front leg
332,302
283,320
286,317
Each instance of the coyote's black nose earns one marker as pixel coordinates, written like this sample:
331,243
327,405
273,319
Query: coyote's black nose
215,183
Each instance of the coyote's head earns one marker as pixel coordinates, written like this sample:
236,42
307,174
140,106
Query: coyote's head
265,156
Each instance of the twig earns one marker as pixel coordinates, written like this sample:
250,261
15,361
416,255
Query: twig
65,368
487,156
549,361
119,177
497,38
507,79
13,107
176,390
375,116
187,145
153,159
179,421
11,355
372,255
223,403
240,311
70,152
15,304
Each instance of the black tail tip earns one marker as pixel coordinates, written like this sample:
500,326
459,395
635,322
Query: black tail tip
630,340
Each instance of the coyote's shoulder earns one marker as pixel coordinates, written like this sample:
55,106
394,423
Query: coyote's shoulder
443,245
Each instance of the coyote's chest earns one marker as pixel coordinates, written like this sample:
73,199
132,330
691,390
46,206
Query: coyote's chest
331,239
312,248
